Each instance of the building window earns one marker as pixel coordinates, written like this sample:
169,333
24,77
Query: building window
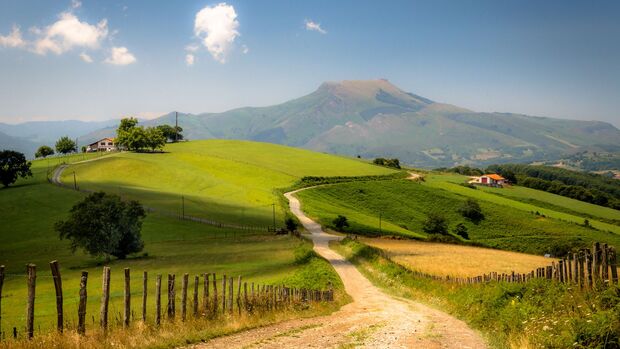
102,143
110,143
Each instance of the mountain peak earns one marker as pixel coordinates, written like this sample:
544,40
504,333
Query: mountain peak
366,90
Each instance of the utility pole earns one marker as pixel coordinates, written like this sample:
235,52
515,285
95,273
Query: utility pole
176,126
274,216
74,181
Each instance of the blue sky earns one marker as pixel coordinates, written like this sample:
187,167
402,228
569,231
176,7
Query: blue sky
550,58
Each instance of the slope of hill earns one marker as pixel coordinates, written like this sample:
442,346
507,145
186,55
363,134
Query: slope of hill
376,119
222,180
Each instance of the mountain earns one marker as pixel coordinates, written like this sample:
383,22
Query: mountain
28,136
377,119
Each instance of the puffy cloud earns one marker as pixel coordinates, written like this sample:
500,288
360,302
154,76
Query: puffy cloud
217,27
86,58
69,32
189,59
14,39
313,26
120,56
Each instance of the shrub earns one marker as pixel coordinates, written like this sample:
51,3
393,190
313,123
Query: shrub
461,230
44,151
291,224
435,224
471,210
340,222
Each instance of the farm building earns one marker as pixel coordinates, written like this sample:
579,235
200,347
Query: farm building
491,180
105,144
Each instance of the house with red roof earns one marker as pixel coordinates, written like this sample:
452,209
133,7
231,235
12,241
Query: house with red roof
491,180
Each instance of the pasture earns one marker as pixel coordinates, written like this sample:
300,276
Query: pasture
222,180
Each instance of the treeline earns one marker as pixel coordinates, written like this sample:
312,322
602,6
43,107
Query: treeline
587,187
138,138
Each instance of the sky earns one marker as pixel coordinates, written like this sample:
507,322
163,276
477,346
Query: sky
98,60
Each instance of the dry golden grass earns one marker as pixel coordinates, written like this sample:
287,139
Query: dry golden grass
456,260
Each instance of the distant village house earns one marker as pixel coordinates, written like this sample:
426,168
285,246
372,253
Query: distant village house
105,144
491,180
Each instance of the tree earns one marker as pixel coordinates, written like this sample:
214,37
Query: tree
170,133
44,151
154,138
435,224
13,165
103,225
65,145
135,139
290,224
340,222
395,163
461,230
124,130
471,210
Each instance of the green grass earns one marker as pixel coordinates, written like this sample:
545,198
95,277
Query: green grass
227,181
404,206
32,206
536,314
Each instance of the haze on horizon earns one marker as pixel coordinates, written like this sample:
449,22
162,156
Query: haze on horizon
98,60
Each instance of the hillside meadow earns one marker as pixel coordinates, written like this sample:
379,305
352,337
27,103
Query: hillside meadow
32,206
222,180
403,206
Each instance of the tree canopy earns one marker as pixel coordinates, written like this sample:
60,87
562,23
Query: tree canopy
104,225
435,224
65,145
137,138
394,163
170,133
44,151
340,222
13,165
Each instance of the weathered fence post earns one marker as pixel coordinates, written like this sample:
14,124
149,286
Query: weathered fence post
58,288
105,298
184,296
561,270
127,299
171,296
31,270
205,293
158,300
582,272
214,294
196,282
604,263
230,295
224,294
596,265
612,263
245,296
1,285
82,304
239,294
145,278
589,278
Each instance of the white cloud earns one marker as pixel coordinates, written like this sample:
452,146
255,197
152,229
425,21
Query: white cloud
120,56
245,49
189,59
217,27
313,26
86,58
14,39
76,3
69,32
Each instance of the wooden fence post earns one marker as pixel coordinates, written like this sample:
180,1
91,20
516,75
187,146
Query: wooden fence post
224,294
205,293
1,285
145,278
596,265
576,268
245,296
239,294
32,279
582,272
105,298
561,270
589,278
196,282
184,296
230,295
612,263
215,305
158,300
127,299
82,304
171,296
58,288
604,263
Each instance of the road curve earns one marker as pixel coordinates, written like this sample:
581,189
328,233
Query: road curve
372,320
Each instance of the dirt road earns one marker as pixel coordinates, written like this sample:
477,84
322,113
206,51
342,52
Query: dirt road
372,320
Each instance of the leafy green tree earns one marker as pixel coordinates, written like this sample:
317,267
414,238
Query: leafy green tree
461,230
136,139
65,145
435,224
103,225
291,224
13,165
154,138
123,131
340,222
471,210
44,151
395,163
170,133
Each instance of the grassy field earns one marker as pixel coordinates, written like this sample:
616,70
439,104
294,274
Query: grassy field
32,206
404,206
455,260
228,181
536,314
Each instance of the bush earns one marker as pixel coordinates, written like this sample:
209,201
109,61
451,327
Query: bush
44,151
461,230
303,254
435,224
394,163
291,224
340,222
471,210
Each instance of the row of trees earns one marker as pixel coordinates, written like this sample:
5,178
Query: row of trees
394,163
64,145
138,138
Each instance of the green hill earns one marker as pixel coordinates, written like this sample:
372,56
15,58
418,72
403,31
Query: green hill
227,181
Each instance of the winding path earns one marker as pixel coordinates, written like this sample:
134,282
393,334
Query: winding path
372,320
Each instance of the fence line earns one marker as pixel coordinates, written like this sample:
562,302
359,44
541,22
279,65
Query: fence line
590,269
267,298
